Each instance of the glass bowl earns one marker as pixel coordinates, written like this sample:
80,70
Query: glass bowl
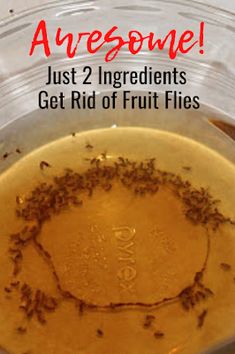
210,76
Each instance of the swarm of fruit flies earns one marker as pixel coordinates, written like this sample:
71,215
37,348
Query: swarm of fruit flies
69,190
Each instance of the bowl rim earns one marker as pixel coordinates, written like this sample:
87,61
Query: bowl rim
13,18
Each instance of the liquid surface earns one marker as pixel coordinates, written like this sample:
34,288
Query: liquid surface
121,248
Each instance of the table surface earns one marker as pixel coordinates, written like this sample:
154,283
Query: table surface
7,6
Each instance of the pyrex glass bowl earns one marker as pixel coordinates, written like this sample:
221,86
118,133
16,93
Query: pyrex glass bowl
210,76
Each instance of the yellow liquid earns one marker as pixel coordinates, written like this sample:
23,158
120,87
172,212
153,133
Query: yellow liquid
120,248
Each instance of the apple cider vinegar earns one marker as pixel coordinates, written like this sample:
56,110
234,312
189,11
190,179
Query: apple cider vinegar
118,240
